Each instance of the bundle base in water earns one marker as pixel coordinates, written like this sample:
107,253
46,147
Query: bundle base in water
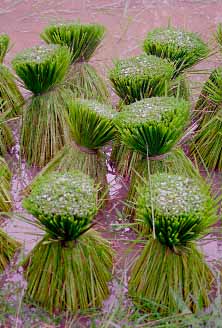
8,247
165,281
85,82
44,127
69,276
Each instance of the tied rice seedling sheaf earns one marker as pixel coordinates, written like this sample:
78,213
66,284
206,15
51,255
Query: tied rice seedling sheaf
148,130
4,44
177,211
75,261
6,137
9,92
141,77
149,127
92,128
82,41
183,48
156,139
42,70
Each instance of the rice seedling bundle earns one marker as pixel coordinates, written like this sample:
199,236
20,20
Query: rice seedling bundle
9,92
206,146
8,248
4,44
70,267
177,211
5,186
148,129
141,77
92,128
180,87
44,128
183,208
42,67
210,99
6,137
218,35
82,41
175,162
183,48
8,245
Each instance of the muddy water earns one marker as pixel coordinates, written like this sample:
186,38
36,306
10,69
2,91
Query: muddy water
127,23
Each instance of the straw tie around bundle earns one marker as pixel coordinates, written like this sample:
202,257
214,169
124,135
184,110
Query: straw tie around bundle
82,41
70,267
44,129
141,77
176,211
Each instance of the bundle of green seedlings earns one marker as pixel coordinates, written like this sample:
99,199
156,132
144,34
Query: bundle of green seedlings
5,186
6,137
136,78
141,77
177,211
184,49
218,36
44,128
70,267
82,41
8,245
206,145
9,92
92,128
149,129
